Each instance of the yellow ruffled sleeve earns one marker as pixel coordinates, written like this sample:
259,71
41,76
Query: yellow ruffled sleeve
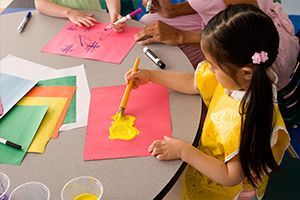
206,81
280,139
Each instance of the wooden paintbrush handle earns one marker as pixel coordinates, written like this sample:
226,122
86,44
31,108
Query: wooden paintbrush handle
129,85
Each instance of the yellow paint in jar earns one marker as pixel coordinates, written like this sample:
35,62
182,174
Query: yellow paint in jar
86,196
122,127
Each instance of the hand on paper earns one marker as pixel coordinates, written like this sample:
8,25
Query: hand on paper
159,32
161,7
119,27
80,18
139,78
167,149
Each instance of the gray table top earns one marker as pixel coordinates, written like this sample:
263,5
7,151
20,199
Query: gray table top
129,178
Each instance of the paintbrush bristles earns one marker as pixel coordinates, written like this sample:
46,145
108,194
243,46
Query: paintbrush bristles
121,111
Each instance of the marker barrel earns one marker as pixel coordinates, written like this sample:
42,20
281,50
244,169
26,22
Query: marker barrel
150,54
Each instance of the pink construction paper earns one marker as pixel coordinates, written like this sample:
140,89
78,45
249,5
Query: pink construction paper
149,104
92,42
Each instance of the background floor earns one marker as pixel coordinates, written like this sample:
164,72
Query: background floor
280,186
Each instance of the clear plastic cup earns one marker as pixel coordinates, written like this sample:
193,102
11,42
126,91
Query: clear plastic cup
83,187
4,185
30,191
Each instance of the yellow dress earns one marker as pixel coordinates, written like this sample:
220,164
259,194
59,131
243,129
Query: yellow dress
221,139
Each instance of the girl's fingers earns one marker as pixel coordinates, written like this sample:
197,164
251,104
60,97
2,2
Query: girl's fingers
161,157
157,151
166,138
135,83
128,73
92,19
77,23
89,14
82,21
87,21
132,76
153,145
119,27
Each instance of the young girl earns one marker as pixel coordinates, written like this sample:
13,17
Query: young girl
70,9
244,136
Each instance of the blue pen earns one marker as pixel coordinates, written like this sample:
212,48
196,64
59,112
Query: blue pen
24,22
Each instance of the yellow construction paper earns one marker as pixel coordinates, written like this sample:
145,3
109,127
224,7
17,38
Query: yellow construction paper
55,108
123,127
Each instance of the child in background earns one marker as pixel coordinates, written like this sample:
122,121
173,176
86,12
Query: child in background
243,136
70,9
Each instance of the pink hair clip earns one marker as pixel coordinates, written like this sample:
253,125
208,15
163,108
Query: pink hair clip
261,57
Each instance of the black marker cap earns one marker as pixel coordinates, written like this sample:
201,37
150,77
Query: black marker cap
161,64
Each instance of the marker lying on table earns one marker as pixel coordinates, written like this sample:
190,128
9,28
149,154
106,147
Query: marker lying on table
14,145
154,58
148,6
126,18
24,22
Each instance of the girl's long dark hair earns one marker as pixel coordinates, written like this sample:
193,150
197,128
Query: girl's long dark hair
231,38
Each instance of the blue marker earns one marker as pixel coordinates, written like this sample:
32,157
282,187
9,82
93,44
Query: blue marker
24,22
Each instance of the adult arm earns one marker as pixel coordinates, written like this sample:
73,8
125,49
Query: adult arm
160,32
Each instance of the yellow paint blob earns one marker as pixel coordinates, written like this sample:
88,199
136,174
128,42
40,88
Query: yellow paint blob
122,127
86,196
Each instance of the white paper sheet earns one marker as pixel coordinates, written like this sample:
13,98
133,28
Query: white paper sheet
23,68
82,94
30,70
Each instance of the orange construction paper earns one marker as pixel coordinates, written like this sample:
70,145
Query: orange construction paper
55,91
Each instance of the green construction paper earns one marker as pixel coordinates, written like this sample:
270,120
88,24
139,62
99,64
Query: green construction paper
64,81
19,125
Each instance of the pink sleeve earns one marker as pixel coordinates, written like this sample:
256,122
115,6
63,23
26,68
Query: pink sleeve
207,8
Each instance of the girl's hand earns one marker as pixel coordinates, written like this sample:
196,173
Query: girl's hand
80,18
119,27
167,149
139,78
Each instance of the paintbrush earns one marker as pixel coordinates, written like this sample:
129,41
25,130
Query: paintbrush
127,90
